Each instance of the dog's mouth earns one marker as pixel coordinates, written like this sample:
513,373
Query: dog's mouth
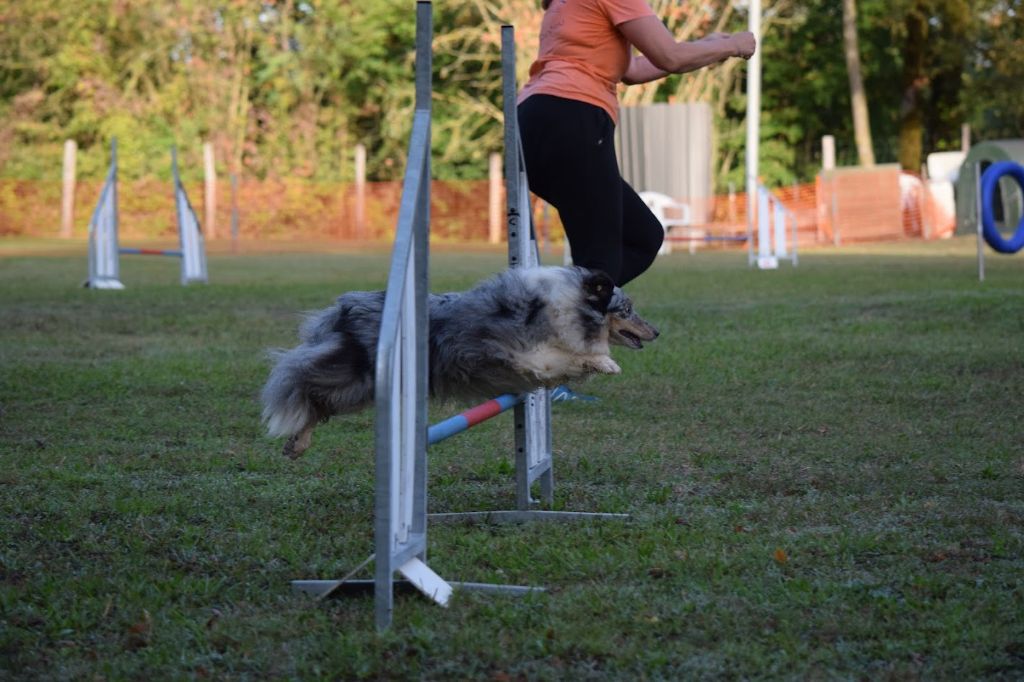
626,338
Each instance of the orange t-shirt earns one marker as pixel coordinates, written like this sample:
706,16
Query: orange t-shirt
582,55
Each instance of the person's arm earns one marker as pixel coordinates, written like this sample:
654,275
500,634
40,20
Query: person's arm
662,55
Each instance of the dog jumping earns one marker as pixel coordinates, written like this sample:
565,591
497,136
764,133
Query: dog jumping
518,331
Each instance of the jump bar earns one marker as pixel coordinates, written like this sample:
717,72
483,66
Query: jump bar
471,417
149,252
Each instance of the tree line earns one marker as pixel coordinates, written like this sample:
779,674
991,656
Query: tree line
288,88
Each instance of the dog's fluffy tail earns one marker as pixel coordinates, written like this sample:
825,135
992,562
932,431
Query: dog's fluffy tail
314,381
287,404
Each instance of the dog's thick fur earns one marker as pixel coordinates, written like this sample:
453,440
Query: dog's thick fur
520,330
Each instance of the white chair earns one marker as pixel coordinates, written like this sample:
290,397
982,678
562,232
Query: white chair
672,214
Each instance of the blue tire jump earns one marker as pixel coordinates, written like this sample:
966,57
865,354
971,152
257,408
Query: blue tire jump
989,182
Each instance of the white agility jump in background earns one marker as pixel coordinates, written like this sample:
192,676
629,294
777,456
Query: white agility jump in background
105,250
775,236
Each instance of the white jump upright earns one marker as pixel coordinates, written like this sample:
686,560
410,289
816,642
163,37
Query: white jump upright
104,266
104,248
774,241
190,234
400,510
533,458
533,414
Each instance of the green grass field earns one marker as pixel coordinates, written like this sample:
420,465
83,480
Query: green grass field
824,468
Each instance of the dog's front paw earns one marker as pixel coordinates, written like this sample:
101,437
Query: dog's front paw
605,365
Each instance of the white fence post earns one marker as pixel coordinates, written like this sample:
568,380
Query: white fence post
67,204
210,189
494,199
360,184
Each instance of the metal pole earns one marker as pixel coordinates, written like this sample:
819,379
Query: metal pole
531,417
978,208
508,72
421,253
753,123
516,223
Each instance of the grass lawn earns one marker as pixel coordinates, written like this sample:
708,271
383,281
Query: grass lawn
824,468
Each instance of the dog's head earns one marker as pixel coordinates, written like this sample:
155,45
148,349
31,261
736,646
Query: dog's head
625,326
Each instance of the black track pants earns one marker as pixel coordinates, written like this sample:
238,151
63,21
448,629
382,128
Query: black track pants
569,149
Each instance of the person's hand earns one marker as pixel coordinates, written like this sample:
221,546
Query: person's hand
717,36
743,44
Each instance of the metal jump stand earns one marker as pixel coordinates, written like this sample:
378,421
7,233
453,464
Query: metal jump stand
401,382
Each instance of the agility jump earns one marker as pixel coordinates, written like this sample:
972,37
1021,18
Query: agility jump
400,507
774,221
105,252
985,195
401,380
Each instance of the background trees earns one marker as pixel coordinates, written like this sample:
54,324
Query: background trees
288,88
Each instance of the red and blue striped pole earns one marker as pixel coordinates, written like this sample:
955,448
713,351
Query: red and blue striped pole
471,417
149,252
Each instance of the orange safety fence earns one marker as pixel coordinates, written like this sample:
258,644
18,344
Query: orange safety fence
847,205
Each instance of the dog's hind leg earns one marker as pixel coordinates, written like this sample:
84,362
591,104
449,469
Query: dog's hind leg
299,443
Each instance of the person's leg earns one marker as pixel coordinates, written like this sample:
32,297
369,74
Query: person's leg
642,235
569,149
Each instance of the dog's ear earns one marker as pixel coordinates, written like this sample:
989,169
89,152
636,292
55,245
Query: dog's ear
598,287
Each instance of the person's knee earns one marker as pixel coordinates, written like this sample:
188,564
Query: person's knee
649,235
